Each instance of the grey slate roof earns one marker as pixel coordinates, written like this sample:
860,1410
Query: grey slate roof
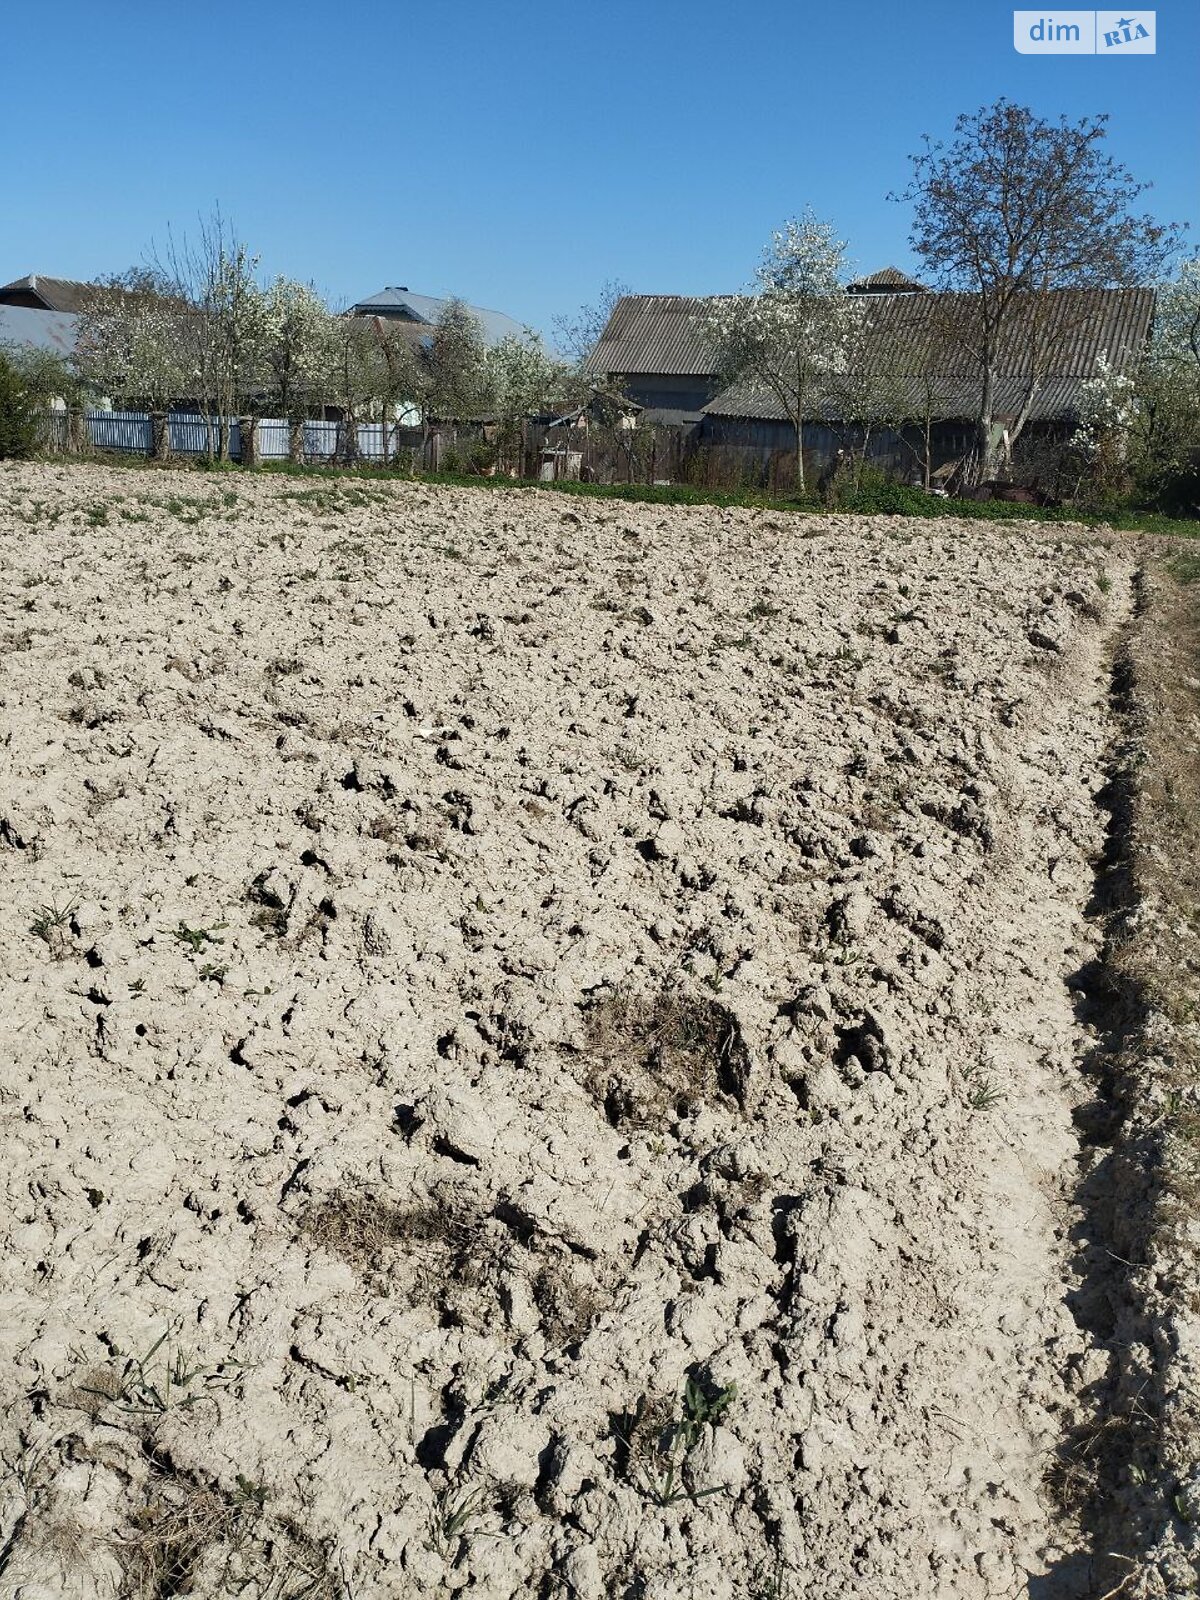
425,309
45,330
660,333
922,339
59,294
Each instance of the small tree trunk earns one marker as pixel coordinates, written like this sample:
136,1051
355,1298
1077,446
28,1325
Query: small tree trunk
296,441
986,431
78,440
800,455
248,433
160,436
349,432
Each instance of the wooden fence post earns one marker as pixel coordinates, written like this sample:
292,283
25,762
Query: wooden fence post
78,440
248,439
160,436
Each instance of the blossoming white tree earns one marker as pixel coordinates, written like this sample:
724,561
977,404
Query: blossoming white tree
1106,413
295,345
353,377
523,378
456,361
133,343
791,333
190,327
215,278
1177,324
1165,445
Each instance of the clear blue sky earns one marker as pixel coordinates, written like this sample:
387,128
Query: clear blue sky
520,154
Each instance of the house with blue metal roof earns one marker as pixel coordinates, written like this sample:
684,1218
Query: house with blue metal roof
423,310
43,330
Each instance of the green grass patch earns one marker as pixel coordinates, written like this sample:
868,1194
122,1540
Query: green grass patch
894,499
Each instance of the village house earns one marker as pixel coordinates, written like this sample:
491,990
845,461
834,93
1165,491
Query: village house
35,293
422,311
40,312
53,331
911,396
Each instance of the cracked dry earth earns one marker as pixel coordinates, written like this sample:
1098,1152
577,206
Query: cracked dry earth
477,961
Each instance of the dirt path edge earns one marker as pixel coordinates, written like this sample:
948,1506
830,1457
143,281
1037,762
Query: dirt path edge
1135,1464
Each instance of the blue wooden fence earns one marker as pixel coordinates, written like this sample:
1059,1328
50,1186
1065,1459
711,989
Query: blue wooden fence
118,430
192,434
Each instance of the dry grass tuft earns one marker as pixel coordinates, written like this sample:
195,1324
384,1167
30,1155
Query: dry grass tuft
658,1058
463,1261
367,1232
191,1536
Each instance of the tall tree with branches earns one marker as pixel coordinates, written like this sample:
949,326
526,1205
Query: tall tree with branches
1165,436
1014,206
576,336
456,364
213,274
522,377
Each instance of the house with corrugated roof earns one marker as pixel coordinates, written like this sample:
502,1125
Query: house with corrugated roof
658,346
36,293
42,312
916,359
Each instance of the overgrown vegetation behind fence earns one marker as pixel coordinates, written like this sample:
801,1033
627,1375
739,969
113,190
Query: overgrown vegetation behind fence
645,455
868,475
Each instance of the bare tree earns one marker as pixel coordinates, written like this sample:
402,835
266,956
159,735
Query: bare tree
577,335
1016,206
213,274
